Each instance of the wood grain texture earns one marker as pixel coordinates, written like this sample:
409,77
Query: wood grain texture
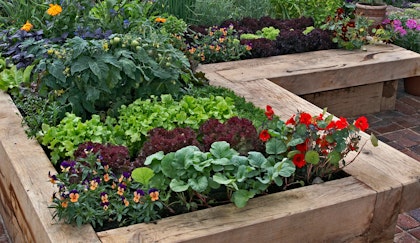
272,218
305,73
25,191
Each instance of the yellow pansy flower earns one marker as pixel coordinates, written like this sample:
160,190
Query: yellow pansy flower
54,9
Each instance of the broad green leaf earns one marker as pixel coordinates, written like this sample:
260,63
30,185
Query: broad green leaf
312,157
295,141
241,197
286,168
222,149
222,179
334,157
373,140
142,175
178,185
99,68
199,184
275,146
80,64
56,69
166,165
256,159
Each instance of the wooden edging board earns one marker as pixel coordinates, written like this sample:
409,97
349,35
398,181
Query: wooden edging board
363,207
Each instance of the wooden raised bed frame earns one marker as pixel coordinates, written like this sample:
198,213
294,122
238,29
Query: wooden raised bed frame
361,208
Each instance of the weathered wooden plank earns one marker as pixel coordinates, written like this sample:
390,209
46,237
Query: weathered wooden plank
271,218
305,73
25,191
389,95
350,102
392,174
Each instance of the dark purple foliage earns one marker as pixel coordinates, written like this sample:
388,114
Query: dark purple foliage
240,133
161,139
117,157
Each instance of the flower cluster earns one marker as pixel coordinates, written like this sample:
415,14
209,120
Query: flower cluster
89,192
315,144
351,31
406,31
216,44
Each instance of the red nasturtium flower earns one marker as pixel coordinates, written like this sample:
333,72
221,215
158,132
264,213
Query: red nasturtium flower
264,135
299,160
362,123
305,118
331,125
291,121
269,112
341,123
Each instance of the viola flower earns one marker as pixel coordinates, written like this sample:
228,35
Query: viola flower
264,135
74,196
137,195
121,188
362,123
299,160
341,123
154,194
269,112
104,197
105,205
54,10
64,204
106,177
66,166
53,178
305,118
27,26
125,201
94,183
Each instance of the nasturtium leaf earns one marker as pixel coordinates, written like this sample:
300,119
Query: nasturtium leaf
142,175
241,197
312,157
178,185
373,140
241,173
334,157
278,180
167,167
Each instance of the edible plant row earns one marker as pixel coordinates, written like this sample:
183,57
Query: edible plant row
109,89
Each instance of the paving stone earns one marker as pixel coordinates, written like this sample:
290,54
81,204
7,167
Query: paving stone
407,121
403,108
410,101
405,238
405,138
406,222
415,214
416,129
415,232
386,128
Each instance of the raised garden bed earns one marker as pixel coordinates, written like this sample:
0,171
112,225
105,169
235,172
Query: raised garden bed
363,207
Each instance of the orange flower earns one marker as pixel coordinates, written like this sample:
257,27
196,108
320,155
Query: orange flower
154,194
106,177
27,26
54,9
160,20
64,204
74,196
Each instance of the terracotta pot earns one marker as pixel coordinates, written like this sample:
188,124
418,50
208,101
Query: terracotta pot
376,13
412,85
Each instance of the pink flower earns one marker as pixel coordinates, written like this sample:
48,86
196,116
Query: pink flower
397,22
411,24
386,21
400,30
